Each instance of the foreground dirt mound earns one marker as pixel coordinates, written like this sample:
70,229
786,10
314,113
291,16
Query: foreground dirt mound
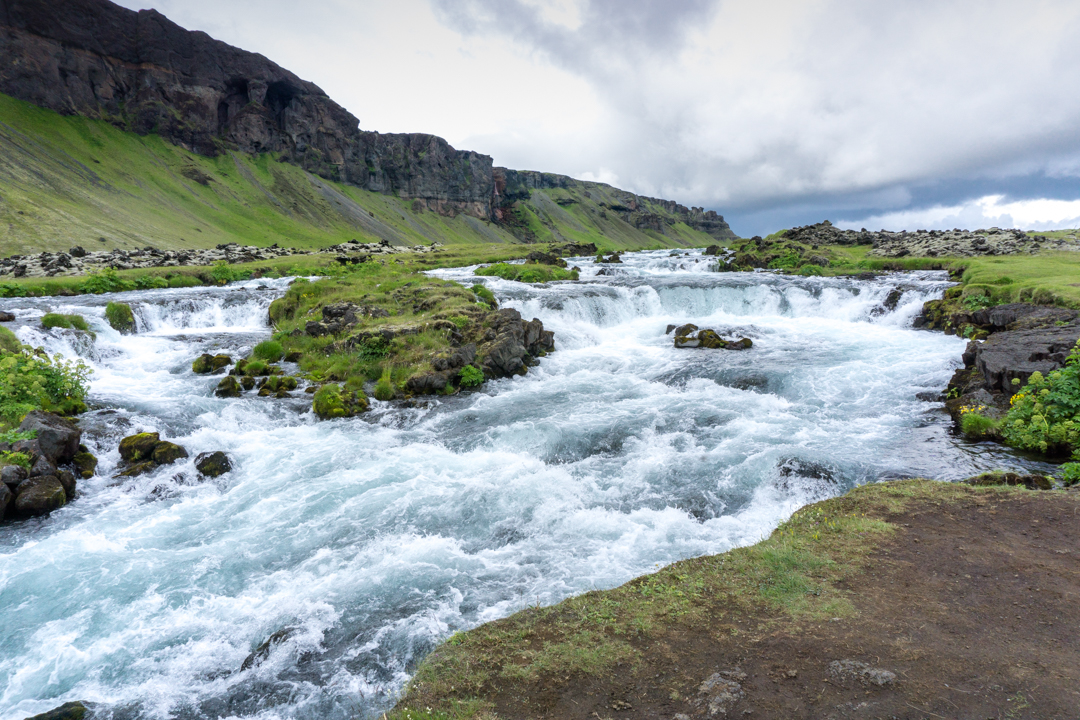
928,600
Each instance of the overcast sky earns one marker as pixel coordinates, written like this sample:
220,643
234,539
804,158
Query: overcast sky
920,113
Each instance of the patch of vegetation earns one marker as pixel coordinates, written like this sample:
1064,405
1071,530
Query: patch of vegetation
1070,473
29,381
527,273
471,376
8,342
222,273
68,322
1044,415
120,317
976,425
384,388
15,458
269,350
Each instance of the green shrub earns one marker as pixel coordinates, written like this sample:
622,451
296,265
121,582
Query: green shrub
811,269
9,290
120,317
485,296
150,282
975,425
32,382
8,341
11,437
15,458
384,388
223,273
184,281
255,367
269,350
471,376
105,281
1045,415
69,322
373,348
460,321
786,262
1070,473
972,303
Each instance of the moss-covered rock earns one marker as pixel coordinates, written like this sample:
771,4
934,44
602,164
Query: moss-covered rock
120,317
212,464
139,468
1031,482
247,382
39,496
334,401
709,339
166,453
138,447
68,322
228,387
8,342
67,711
207,363
85,463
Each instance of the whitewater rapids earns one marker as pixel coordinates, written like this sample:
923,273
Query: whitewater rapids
373,538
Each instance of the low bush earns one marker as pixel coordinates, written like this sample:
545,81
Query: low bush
150,282
37,382
222,273
68,322
485,296
976,425
1045,415
8,341
811,270
15,458
105,281
471,376
269,350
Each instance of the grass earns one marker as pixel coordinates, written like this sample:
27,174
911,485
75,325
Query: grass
527,273
68,322
795,576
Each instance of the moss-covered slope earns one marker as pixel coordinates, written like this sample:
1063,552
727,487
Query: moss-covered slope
78,181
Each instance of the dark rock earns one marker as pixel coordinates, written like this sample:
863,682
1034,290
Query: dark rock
67,711
139,468
712,250
429,383
1019,353
262,652
247,382
13,475
461,357
5,316
77,252
42,466
1021,316
207,363
40,496
228,387
85,463
138,447
543,258
212,464
67,481
669,329
709,339
686,329
6,498
683,341
166,453
57,437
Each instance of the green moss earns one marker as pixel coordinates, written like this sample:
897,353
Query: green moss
8,342
70,322
975,425
527,273
269,350
333,401
120,317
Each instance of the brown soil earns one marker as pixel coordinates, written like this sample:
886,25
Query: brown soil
974,606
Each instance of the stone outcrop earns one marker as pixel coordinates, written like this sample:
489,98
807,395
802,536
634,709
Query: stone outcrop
689,336
930,243
144,73
145,452
45,481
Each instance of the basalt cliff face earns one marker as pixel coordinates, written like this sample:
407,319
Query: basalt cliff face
144,73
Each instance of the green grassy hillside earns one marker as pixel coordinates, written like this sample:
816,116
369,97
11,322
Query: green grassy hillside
76,181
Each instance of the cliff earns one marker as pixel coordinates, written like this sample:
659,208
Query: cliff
144,73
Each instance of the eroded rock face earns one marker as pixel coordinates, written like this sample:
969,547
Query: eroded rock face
930,243
1019,353
144,72
40,496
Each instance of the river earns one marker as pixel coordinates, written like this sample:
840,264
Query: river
370,539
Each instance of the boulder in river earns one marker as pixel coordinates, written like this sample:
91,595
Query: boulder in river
166,453
120,317
139,468
67,711
5,316
40,496
228,387
138,447
706,338
334,401
207,363
212,464
57,437
12,475
85,463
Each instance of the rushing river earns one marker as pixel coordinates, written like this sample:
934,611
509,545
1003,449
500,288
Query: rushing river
373,538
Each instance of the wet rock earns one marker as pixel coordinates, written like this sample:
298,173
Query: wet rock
67,481
247,382
1021,316
5,316
139,468
712,250
85,463
6,498
138,447
544,258
212,464
13,475
40,496
42,466
334,401
461,357
67,711
848,671
166,453
709,339
259,655
207,363
686,330
682,341
1031,482
57,437
1019,353
228,387
429,383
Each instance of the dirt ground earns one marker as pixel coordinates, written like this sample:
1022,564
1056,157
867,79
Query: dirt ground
972,610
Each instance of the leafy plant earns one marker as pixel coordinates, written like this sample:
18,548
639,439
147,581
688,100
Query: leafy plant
105,281
269,350
471,376
976,302
8,341
9,290
11,437
15,458
69,322
222,273
460,321
373,348
150,282
1070,473
786,262
1045,415
810,269
976,425
37,382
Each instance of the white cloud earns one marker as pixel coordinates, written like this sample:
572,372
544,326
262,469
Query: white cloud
985,212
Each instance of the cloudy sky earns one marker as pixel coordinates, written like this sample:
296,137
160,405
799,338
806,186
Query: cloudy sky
922,113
